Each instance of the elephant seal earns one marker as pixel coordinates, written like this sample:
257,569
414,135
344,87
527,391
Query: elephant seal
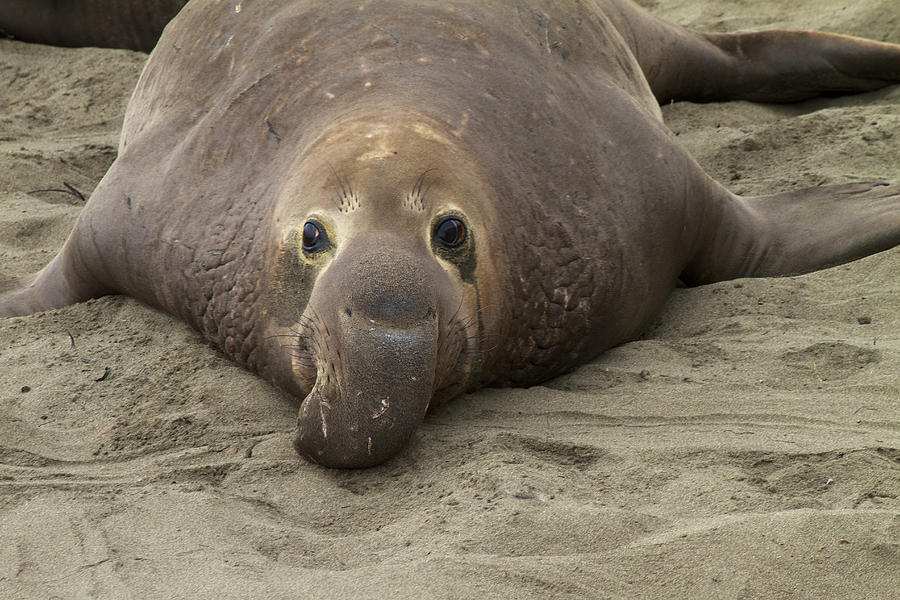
131,24
378,206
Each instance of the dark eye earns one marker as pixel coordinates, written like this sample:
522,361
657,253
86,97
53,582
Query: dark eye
450,232
314,238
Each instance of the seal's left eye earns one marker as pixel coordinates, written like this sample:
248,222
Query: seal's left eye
314,237
450,232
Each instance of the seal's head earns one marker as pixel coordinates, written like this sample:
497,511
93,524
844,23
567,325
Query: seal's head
384,287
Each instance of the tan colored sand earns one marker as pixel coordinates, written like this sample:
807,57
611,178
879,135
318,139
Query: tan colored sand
747,447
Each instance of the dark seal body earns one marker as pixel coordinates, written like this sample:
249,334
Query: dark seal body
378,206
133,24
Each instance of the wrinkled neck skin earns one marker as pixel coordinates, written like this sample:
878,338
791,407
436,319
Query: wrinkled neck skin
380,322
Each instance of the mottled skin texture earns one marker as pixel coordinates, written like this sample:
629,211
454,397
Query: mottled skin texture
534,123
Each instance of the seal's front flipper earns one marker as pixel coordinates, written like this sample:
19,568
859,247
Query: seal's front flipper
58,284
794,232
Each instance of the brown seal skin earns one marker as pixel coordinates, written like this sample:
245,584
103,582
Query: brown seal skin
134,24
381,205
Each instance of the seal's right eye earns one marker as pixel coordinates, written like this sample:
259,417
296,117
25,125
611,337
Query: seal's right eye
314,237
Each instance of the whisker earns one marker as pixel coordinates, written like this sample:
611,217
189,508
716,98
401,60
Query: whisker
425,193
458,308
338,178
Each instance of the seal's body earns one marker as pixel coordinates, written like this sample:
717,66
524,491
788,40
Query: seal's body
380,206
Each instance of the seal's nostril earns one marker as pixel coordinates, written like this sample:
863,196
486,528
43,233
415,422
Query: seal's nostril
348,312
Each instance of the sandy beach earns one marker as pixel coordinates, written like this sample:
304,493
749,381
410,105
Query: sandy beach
747,446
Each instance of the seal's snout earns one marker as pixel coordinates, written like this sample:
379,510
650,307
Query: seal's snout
368,413
377,368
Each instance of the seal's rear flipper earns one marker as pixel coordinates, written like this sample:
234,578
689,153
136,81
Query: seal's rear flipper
794,232
763,66
788,66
